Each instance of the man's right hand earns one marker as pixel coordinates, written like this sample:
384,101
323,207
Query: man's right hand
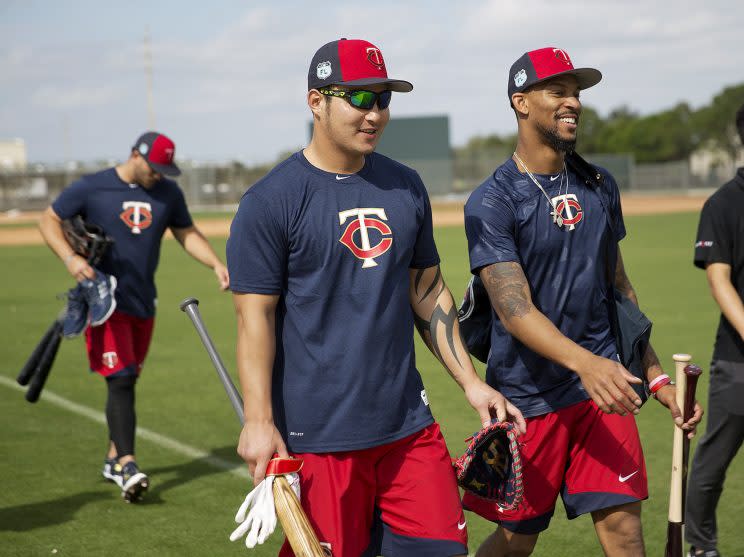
609,385
78,267
258,443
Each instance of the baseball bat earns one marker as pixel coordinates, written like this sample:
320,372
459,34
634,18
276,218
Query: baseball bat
45,364
294,522
33,360
686,376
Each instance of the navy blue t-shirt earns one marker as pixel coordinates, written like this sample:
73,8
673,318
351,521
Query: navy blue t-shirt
507,218
337,250
136,218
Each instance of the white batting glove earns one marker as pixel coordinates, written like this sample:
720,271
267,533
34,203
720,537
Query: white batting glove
294,483
256,516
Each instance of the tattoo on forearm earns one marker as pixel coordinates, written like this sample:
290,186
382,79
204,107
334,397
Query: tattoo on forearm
507,288
650,359
622,282
428,330
434,283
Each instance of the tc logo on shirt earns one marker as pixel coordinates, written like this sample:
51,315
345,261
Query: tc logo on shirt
363,224
137,215
567,206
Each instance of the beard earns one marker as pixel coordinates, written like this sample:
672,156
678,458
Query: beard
554,140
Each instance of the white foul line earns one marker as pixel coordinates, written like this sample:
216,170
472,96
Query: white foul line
142,432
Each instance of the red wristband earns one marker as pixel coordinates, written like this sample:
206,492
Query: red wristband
658,383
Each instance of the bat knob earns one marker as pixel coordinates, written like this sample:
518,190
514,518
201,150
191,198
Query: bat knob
187,302
681,357
693,370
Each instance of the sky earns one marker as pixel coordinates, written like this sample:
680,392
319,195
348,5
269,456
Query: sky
230,77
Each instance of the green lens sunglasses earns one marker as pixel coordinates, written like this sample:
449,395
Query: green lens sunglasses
360,98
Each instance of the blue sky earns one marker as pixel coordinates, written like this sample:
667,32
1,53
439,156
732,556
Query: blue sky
230,77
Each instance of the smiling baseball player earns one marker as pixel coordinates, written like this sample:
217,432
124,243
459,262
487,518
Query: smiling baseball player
332,260
541,240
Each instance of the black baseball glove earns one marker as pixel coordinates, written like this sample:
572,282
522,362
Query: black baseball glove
86,239
491,467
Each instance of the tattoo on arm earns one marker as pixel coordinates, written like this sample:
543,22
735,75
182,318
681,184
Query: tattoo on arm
428,330
428,286
650,360
622,282
436,281
508,289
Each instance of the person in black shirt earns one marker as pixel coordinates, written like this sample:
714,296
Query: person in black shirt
719,249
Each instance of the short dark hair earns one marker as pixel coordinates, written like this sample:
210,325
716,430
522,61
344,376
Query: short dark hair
740,122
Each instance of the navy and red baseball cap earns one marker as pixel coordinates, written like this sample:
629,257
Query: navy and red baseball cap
158,150
351,62
545,63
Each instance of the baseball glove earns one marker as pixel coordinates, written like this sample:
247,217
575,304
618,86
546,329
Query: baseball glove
491,467
86,239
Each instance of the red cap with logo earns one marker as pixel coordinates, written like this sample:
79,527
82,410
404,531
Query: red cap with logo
158,150
545,63
351,62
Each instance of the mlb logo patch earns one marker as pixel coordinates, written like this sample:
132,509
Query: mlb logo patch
324,70
110,359
520,77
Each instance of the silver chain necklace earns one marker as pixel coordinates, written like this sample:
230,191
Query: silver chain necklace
557,218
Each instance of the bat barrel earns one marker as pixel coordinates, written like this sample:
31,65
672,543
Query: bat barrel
692,373
44,366
33,360
295,523
190,306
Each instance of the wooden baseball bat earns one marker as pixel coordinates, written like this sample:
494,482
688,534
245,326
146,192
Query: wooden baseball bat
686,376
293,519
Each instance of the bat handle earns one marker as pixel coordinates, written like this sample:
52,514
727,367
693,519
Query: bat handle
190,306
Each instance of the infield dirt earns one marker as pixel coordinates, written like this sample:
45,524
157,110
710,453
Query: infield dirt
445,214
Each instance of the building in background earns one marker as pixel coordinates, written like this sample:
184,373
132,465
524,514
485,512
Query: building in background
13,155
423,143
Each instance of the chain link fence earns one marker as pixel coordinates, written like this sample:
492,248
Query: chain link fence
217,186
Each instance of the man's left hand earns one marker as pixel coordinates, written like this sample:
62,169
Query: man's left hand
667,395
223,278
489,403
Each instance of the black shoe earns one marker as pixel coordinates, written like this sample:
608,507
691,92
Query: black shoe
695,552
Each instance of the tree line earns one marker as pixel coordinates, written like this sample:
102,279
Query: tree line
668,135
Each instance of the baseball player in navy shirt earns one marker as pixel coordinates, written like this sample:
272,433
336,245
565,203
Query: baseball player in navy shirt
538,237
332,261
134,204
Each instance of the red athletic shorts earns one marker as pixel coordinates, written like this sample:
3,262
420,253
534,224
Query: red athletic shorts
399,499
594,460
119,345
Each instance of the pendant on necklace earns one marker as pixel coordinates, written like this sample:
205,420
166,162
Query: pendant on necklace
557,219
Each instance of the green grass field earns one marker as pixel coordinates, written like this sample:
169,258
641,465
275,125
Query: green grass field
54,501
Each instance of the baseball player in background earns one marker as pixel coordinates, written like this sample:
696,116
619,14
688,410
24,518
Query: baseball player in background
332,260
538,237
719,250
134,204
